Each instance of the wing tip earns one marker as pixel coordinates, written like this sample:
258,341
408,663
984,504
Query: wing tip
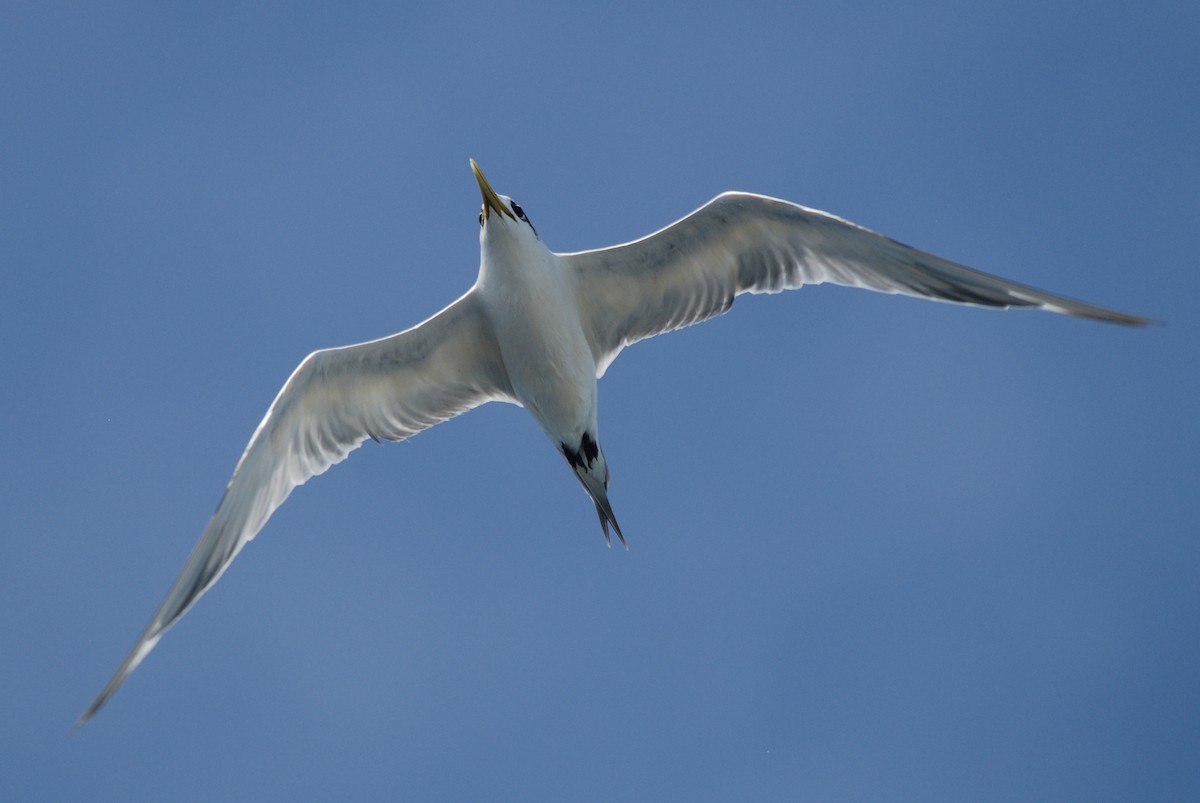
1091,312
144,645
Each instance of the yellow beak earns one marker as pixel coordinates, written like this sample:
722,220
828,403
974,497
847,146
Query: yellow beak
490,199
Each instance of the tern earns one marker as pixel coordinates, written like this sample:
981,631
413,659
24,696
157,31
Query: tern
538,329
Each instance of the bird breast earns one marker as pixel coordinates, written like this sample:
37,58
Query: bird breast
541,339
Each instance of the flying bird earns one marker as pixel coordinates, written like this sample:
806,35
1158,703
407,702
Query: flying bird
538,329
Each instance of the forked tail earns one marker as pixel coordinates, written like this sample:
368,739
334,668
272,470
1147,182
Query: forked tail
587,460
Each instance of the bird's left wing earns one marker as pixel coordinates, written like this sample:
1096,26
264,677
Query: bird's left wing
337,398
743,243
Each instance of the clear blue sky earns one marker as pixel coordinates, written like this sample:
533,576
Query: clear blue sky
880,548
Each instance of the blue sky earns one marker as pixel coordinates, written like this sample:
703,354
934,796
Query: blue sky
880,548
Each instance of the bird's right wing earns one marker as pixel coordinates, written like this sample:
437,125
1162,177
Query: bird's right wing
337,398
743,243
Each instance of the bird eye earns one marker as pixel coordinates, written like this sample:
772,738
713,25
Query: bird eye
481,218
519,212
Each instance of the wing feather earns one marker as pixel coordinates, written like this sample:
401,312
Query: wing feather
337,398
743,243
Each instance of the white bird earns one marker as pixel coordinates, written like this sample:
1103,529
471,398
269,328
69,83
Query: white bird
538,329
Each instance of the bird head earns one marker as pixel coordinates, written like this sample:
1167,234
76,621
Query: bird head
502,205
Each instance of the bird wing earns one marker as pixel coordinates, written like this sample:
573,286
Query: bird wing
337,398
743,243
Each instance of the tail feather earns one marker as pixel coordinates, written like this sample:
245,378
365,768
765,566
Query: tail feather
591,469
604,511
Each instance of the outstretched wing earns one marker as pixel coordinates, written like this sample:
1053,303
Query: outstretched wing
742,243
337,398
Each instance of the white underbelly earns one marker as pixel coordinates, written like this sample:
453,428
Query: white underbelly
553,375
541,339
